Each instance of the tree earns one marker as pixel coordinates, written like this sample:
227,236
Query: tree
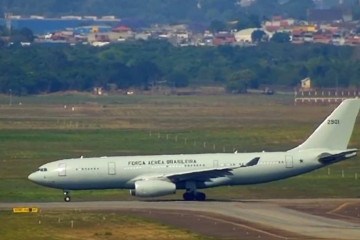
178,79
297,9
248,21
240,81
356,13
217,26
303,72
40,69
27,34
258,36
281,37
22,35
2,43
145,73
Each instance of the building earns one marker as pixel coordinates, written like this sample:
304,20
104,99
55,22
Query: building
245,35
224,38
306,84
308,95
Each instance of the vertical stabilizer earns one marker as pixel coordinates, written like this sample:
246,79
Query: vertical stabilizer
334,133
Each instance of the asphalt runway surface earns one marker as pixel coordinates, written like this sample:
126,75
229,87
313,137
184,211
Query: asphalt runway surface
249,219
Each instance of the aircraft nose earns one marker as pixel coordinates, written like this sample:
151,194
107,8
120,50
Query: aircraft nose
33,177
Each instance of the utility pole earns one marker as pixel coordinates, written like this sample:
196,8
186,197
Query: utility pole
8,24
10,97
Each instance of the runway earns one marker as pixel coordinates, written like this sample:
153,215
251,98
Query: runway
272,219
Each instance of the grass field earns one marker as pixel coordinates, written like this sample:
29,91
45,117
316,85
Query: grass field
38,129
41,129
69,225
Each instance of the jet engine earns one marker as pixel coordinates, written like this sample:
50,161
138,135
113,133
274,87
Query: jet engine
153,188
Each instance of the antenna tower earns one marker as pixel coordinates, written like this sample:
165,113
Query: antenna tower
8,16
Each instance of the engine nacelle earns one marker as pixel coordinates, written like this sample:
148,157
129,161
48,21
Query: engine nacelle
153,188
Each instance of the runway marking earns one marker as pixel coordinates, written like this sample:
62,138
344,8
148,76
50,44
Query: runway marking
338,208
341,207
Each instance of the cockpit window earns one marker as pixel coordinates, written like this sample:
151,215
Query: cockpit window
43,169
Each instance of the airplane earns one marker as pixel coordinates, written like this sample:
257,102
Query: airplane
160,175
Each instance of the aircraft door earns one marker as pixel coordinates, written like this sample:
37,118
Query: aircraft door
216,163
289,163
62,169
112,168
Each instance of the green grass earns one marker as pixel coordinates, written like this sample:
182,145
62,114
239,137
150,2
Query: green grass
41,130
84,225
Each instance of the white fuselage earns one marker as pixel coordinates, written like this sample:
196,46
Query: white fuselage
122,172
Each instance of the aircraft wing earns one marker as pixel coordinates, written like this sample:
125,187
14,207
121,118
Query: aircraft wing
329,158
200,174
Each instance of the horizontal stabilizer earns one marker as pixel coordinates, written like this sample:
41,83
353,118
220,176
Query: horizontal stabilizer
328,158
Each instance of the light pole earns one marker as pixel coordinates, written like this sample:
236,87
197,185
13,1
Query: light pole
10,97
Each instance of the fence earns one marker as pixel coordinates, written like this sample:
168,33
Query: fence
329,96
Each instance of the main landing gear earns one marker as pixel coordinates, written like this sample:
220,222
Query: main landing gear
191,194
67,197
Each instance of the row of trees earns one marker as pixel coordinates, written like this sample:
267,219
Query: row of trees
44,69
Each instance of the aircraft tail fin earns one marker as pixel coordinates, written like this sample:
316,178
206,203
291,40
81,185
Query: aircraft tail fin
334,133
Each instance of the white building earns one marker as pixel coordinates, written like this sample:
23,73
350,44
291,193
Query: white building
245,35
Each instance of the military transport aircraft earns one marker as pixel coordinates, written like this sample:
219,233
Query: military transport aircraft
159,175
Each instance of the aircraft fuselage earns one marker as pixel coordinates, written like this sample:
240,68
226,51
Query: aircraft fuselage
122,172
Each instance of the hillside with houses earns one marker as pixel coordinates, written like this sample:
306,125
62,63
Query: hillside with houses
272,49
336,24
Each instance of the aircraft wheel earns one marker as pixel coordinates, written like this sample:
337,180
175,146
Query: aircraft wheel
67,198
188,196
199,196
